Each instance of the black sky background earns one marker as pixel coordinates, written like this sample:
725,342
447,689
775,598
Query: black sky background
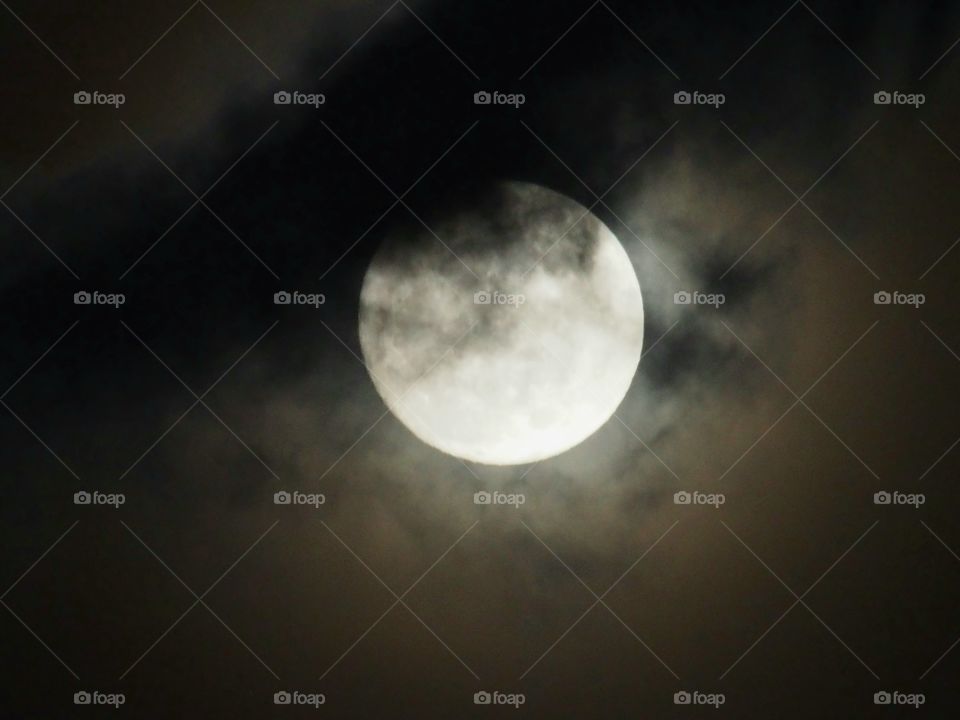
288,414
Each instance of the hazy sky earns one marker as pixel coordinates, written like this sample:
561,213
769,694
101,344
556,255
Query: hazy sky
798,199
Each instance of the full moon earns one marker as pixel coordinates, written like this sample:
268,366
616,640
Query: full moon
506,332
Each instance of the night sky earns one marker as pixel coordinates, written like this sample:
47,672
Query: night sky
797,199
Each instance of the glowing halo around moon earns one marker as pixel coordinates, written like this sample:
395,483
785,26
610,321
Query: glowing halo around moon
511,335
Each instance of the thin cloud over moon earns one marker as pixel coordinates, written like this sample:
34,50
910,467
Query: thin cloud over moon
509,336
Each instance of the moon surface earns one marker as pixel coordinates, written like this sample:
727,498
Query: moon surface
506,332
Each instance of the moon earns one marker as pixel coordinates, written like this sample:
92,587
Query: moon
508,331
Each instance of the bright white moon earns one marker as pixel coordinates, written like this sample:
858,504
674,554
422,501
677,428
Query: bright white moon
509,336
